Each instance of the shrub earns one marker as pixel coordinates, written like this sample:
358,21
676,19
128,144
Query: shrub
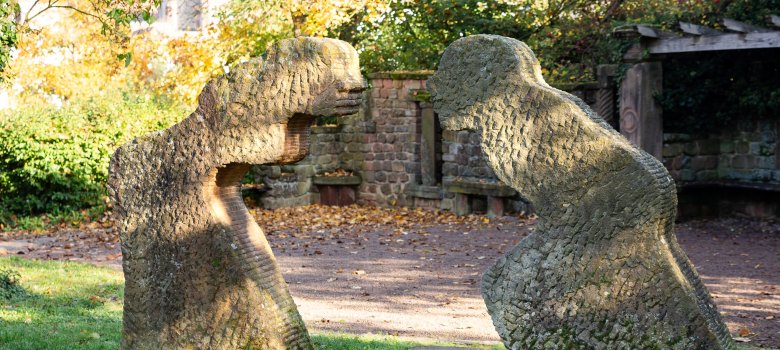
55,160
9,284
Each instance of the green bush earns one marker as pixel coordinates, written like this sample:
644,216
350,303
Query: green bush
9,284
55,160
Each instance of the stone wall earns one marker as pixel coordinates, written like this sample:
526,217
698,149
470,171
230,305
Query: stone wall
403,161
291,185
391,153
744,153
397,149
381,145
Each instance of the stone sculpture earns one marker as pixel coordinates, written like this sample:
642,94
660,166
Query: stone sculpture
603,269
199,271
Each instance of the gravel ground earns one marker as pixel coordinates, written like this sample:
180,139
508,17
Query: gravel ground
417,275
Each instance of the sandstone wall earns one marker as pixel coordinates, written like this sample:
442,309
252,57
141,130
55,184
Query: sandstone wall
745,153
383,145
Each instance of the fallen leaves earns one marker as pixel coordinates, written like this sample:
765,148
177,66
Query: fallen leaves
338,172
312,218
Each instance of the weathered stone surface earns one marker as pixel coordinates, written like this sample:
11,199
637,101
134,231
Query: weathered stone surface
199,272
603,270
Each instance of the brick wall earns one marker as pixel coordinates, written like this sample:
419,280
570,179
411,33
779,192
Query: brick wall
391,153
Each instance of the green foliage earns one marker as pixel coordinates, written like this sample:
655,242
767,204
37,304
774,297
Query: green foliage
9,284
79,306
751,11
67,306
247,28
570,37
411,35
8,38
340,341
55,160
704,93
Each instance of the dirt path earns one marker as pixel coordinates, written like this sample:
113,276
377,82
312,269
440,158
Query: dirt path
416,274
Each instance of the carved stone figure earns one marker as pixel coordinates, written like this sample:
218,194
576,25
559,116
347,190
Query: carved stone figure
199,271
603,269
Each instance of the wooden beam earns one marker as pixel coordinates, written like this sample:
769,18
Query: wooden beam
635,53
696,29
775,19
648,32
741,27
641,116
715,43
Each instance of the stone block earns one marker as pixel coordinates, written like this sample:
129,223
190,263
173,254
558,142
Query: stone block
704,163
687,175
676,137
708,146
672,150
726,147
304,171
769,136
303,187
461,204
462,137
742,147
766,162
707,175
681,162
724,161
762,175
691,149
755,148
740,161
392,177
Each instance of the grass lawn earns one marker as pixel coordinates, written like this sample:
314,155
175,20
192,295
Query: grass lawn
79,306
70,306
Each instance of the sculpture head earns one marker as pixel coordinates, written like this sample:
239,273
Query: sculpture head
343,94
323,76
270,104
476,69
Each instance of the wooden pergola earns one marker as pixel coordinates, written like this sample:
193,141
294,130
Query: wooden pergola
641,117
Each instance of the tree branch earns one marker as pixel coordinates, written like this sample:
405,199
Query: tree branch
611,10
79,11
24,19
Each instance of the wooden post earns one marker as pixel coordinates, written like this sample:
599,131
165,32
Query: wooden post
428,146
495,207
605,100
641,118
